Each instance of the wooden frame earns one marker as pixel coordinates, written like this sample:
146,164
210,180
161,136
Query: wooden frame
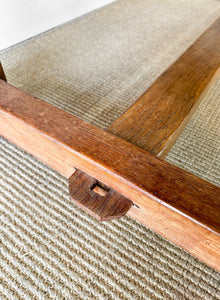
123,161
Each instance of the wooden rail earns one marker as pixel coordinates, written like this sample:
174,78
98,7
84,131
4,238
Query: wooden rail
155,120
178,205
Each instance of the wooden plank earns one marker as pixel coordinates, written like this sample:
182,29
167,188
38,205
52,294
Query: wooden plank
179,201
155,120
110,157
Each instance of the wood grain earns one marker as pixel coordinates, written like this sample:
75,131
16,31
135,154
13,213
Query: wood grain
155,120
110,206
176,202
2,73
107,156
197,240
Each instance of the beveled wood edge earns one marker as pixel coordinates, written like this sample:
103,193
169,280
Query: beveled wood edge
157,118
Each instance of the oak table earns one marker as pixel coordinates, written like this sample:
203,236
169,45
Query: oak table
122,170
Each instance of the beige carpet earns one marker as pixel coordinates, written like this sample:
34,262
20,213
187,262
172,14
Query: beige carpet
95,67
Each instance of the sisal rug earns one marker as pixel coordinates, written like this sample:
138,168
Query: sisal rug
95,67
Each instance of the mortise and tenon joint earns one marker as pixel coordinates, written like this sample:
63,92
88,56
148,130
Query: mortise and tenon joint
109,206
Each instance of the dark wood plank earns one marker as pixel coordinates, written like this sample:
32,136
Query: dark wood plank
156,119
106,207
2,73
175,201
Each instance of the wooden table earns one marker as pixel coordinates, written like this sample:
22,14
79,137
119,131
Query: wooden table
122,170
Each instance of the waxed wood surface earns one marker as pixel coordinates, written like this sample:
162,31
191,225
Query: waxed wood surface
155,120
112,159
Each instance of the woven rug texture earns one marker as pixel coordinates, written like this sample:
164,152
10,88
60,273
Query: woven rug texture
95,67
